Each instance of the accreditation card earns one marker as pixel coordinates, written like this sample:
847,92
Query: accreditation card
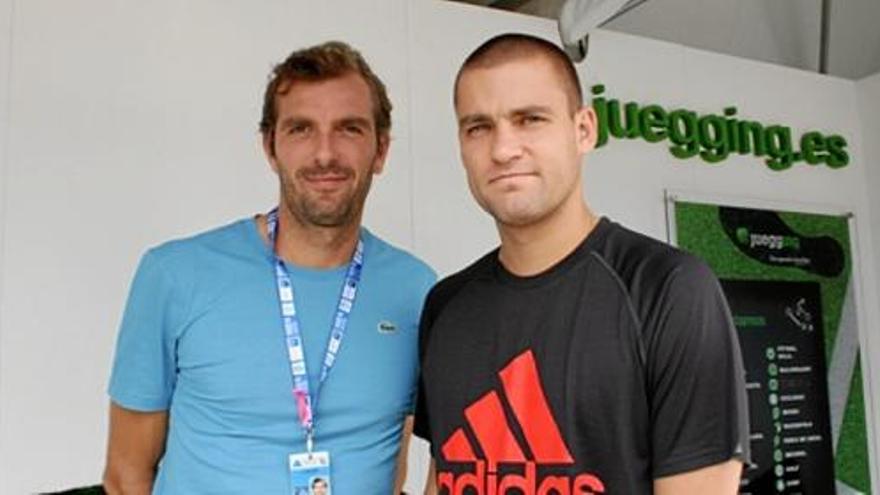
309,473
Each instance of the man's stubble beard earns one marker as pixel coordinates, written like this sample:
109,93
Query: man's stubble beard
309,211
524,212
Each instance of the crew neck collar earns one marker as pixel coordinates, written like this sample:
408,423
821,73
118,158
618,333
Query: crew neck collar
592,239
264,248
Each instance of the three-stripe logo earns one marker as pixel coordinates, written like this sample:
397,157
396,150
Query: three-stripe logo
488,422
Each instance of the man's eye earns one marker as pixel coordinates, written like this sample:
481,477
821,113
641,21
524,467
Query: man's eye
531,119
353,129
298,129
476,129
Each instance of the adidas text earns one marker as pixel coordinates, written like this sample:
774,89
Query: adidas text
481,482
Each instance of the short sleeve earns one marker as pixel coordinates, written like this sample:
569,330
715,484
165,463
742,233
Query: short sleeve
696,377
144,367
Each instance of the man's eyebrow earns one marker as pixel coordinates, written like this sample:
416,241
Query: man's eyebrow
356,120
344,121
292,121
531,109
473,119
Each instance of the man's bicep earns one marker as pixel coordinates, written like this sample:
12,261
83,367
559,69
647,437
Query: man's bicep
718,479
136,443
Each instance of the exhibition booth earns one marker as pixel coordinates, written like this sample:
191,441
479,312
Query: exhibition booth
123,125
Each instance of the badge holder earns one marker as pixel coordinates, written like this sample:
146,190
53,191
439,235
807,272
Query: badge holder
310,471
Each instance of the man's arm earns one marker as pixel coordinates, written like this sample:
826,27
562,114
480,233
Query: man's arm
720,479
403,454
430,481
137,441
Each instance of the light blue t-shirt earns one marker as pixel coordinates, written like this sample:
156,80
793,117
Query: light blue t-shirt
202,338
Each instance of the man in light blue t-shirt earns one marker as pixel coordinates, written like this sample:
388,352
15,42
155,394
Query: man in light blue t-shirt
282,348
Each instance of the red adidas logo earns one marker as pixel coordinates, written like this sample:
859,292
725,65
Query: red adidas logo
488,423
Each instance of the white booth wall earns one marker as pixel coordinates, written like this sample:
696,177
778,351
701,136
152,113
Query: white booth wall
869,108
124,124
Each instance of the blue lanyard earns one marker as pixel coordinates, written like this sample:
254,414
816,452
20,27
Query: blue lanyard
305,406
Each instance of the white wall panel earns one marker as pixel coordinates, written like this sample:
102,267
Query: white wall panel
5,54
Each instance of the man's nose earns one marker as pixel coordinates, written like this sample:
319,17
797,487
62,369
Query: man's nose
506,145
325,152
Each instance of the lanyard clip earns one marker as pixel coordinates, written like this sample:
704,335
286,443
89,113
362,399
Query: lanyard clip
310,441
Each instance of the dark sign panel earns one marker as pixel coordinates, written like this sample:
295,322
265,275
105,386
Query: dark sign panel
780,331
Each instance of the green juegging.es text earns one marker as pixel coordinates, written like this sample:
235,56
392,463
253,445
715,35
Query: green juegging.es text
714,137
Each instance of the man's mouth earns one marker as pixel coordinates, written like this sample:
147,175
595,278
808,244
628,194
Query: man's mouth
327,178
511,176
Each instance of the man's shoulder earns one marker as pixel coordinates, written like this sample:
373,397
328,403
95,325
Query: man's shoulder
447,288
651,271
639,259
230,237
385,255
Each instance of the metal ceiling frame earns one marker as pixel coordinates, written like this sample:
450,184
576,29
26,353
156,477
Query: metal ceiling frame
623,10
515,5
824,36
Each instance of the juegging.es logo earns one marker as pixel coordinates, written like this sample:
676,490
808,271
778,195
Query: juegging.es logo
769,241
487,421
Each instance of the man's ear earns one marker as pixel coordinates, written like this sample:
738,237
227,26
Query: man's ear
382,145
268,140
586,127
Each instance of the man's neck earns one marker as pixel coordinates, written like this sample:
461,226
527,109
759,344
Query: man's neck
531,249
309,245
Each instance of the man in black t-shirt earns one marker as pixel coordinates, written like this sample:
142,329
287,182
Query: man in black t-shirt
580,357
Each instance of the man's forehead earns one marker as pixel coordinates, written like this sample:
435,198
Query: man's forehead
342,78
344,95
344,87
510,85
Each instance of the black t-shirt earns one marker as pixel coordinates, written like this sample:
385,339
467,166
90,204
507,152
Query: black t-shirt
618,365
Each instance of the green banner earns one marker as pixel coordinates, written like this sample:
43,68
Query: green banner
787,278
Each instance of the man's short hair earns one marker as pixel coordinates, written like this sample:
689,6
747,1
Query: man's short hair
319,63
517,46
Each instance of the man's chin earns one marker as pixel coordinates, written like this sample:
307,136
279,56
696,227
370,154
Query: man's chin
338,209
329,220
329,209
511,210
515,218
